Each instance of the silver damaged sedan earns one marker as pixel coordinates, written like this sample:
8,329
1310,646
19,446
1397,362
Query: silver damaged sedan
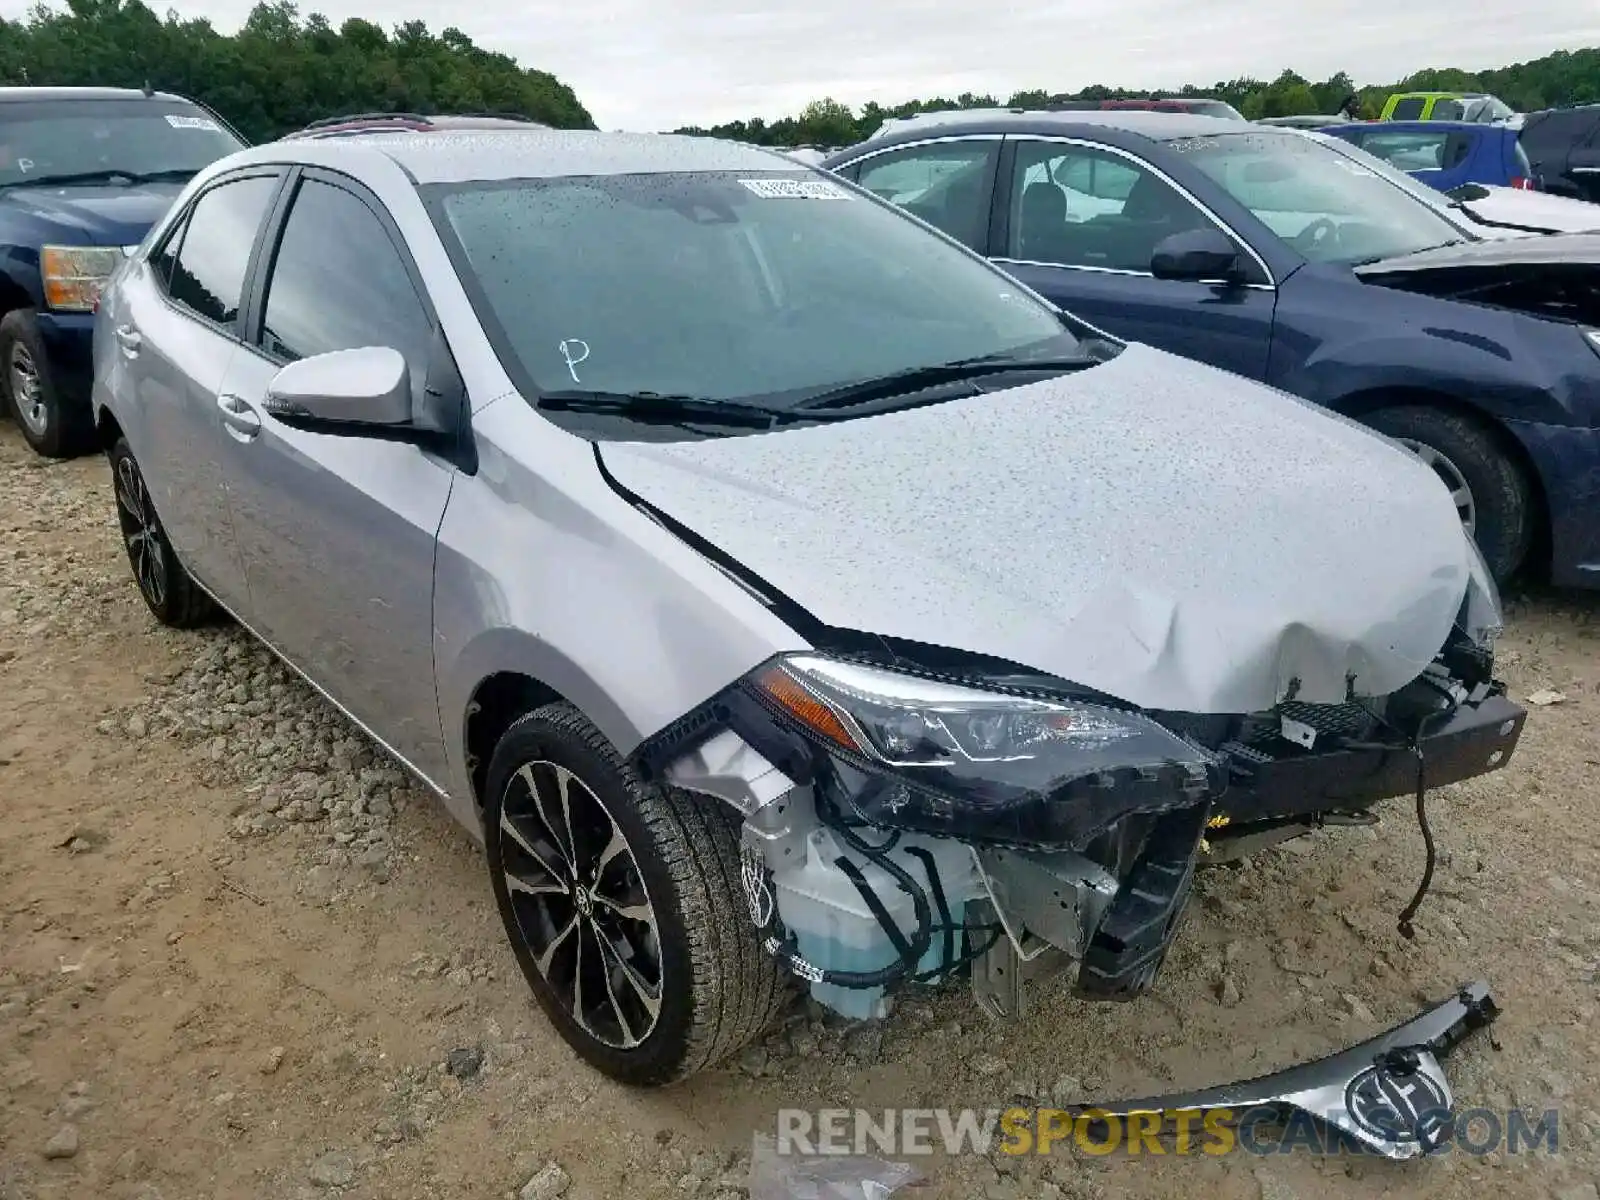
785,597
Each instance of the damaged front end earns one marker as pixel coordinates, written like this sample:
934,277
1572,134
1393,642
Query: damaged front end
909,813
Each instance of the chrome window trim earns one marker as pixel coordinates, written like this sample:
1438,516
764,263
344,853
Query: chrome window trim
1146,165
1034,262
927,141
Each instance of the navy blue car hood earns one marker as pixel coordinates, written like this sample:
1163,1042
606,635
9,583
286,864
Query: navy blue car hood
1547,250
93,214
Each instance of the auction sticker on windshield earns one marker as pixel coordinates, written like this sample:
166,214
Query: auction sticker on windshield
797,189
178,122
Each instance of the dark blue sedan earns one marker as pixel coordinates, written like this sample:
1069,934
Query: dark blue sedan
1318,270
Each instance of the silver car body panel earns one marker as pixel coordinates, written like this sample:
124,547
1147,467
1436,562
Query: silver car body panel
1151,528
1106,527
337,537
1534,212
545,570
173,423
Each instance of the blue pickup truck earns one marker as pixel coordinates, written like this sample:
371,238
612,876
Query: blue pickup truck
84,173
1444,154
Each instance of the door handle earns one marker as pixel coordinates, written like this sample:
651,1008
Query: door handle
128,338
241,421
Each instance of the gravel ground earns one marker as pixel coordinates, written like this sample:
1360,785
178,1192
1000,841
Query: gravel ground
241,955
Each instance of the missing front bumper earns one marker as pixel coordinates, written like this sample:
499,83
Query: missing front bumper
1477,739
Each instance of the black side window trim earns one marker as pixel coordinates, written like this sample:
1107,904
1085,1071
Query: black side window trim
180,228
253,310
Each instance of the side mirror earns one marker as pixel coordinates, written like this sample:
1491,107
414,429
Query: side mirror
1197,256
368,386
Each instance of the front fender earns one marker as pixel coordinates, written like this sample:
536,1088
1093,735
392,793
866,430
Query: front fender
549,573
1336,339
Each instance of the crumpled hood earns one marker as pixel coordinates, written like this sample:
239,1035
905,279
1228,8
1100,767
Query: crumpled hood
1152,528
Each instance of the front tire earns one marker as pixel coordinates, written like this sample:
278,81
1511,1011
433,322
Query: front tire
623,903
53,426
169,592
1491,492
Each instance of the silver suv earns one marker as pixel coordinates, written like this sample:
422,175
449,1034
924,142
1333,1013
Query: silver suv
780,592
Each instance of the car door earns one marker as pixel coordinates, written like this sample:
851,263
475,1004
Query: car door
1079,222
948,182
337,530
177,332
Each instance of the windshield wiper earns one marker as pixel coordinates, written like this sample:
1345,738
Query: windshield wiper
919,379
104,175
659,408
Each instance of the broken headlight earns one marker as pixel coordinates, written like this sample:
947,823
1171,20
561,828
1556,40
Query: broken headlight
1480,618
961,761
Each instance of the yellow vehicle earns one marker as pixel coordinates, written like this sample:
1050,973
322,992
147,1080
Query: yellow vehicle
1478,107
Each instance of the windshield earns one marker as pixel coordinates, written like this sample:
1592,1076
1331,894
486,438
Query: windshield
1409,184
46,139
770,289
1327,205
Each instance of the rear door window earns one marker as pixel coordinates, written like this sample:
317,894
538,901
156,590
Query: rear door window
1410,151
1409,109
207,274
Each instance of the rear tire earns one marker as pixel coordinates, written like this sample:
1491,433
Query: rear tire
1464,453
168,590
627,912
53,426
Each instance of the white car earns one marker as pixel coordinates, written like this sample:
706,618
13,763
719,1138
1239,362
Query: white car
1486,211
1525,212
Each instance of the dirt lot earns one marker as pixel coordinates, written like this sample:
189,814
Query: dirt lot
237,952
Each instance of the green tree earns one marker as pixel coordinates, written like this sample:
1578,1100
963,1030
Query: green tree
1564,77
826,122
280,71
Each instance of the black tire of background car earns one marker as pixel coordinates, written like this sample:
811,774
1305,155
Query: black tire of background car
720,990
182,604
68,432
1505,524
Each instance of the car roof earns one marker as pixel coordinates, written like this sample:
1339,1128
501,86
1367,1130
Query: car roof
390,122
1153,126
19,94
486,156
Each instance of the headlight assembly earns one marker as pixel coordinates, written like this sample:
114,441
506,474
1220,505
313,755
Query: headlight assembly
74,275
1480,618
962,761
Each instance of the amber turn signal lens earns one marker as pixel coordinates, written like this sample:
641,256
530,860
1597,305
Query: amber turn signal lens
74,275
787,692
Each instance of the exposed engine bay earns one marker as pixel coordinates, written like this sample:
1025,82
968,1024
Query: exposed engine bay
911,813
1564,291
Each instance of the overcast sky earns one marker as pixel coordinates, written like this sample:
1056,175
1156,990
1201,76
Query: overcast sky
659,64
